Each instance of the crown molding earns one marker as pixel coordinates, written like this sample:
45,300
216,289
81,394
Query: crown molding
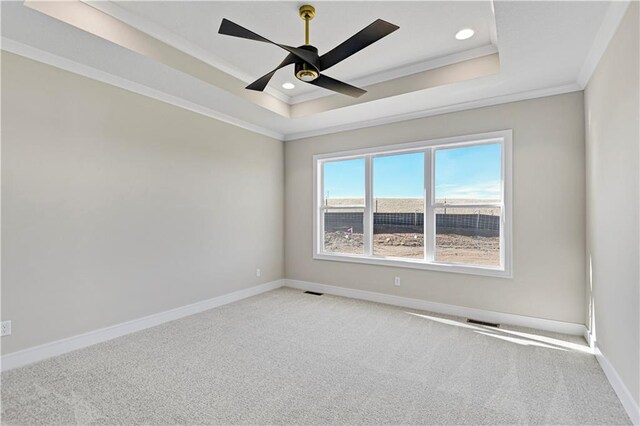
105,77
160,33
95,74
493,27
496,100
605,33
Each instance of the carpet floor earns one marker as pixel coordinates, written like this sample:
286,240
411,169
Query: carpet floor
285,357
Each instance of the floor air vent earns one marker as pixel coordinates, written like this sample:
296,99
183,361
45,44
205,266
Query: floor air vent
488,324
314,293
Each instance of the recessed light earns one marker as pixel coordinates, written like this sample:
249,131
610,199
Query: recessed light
288,85
465,34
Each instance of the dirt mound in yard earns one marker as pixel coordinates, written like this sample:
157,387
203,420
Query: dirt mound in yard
343,242
450,248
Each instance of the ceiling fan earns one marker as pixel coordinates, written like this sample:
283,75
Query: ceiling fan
309,66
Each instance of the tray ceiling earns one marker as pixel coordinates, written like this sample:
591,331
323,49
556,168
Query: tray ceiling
520,50
426,32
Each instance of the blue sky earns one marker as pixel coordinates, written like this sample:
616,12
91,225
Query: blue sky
466,172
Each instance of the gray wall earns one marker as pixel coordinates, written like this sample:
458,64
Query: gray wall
116,206
548,205
613,138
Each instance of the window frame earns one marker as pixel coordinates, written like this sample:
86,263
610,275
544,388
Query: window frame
428,147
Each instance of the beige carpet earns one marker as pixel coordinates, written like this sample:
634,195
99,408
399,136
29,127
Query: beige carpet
288,357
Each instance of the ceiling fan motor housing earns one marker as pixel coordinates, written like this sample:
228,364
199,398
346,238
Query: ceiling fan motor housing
304,71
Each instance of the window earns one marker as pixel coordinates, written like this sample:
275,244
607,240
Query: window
343,206
443,205
398,205
468,204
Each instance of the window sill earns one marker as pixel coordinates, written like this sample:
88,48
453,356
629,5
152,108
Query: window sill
416,264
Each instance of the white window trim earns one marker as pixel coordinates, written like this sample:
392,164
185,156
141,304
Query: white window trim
504,137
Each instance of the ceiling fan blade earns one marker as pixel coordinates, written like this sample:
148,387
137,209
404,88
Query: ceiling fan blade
357,42
262,82
232,29
337,86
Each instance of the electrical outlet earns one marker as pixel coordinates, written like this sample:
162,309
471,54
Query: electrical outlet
6,328
396,282
258,272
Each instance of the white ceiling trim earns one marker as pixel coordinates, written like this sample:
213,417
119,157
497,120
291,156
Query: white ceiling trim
177,42
105,77
404,70
95,74
605,33
496,100
493,28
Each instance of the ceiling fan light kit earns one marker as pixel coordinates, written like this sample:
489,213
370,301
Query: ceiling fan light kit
308,64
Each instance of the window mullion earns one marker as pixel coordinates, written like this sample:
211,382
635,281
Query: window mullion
429,216
320,208
368,206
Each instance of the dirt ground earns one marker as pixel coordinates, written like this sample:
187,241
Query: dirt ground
453,248
450,248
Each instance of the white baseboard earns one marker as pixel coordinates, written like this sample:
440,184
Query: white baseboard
59,347
587,337
629,404
441,308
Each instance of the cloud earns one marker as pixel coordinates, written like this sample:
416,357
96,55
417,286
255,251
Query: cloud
479,190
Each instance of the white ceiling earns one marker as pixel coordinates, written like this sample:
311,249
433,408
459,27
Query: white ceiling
426,32
545,48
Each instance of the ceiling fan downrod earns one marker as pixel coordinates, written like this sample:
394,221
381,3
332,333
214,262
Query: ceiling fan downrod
303,71
307,13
